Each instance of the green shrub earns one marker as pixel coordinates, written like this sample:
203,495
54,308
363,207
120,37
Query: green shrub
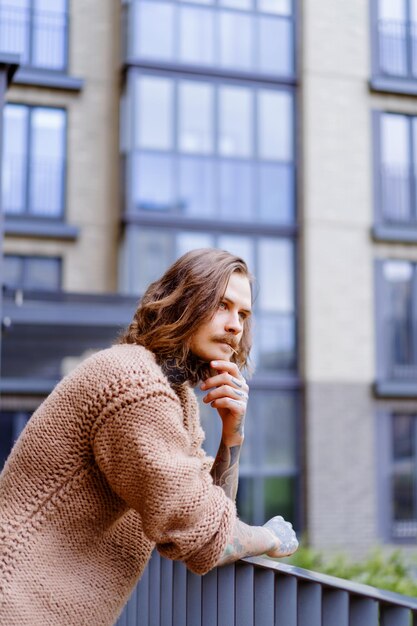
379,569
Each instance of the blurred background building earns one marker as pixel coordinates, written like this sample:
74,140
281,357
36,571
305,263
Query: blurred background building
279,130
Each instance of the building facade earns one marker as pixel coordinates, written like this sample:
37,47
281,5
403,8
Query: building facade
279,130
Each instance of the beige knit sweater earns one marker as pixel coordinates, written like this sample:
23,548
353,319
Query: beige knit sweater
108,466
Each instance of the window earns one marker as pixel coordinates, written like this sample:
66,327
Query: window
396,52
396,168
268,465
153,250
20,272
37,30
212,150
11,425
34,161
239,35
396,321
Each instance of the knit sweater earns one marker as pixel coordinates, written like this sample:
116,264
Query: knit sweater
109,466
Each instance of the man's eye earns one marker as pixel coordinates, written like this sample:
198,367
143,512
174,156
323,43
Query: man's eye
222,305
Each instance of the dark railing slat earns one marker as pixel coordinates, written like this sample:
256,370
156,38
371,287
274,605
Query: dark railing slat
285,601
166,592
363,612
209,598
309,604
154,590
335,608
264,597
131,612
394,616
193,599
226,595
244,594
143,599
179,604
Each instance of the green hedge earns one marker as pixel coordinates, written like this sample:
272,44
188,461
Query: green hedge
393,571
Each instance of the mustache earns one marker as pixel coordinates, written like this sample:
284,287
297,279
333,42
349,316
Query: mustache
229,339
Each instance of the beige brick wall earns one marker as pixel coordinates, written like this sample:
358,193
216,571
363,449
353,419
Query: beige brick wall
90,263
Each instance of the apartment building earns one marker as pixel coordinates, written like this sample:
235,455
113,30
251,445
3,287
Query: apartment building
282,131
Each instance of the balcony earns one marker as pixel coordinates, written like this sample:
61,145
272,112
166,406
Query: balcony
39,37
396,205
259,592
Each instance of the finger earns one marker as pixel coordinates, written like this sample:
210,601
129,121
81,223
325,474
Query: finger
226,391
225,379
236,406
227,366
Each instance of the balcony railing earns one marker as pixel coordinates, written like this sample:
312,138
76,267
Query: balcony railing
398,203
259,592
397,48
39,37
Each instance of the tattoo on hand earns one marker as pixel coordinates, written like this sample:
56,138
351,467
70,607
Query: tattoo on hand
236,382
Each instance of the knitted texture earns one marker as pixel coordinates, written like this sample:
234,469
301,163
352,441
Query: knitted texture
109,466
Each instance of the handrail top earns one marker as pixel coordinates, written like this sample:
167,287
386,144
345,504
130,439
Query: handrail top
338,583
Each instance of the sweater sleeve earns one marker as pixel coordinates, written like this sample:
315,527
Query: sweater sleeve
147,457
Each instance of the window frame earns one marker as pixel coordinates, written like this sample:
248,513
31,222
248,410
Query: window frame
27,217
25,260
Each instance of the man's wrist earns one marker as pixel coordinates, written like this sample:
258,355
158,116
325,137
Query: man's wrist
232,440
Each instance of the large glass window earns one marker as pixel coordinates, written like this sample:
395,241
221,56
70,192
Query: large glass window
403,475
271,259
241,141
34,161
24,272
37,30
398,323
397,169
238,35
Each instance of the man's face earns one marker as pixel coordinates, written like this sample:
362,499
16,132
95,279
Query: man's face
213,339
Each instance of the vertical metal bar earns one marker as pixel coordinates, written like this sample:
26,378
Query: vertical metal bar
335,608
179,613
193,599
226,595
264,597
154,589
166,591
309,604
131,610
244,605
394,616
143,598
363,612
285,601
209,599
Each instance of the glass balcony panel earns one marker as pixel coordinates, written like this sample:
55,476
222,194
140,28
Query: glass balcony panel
47,162
154,25
197,187
42,273
281,7
275,125
236,40
276,200
236,121
245,499
276,46
276,275
153,182
196,27
154,111
240,246
237,4
395,168
191,241
14,159
49,34
15,28
275,342
393,47
403,437
278,428
12,274
196,101
279,497
150,252
403,488
236,192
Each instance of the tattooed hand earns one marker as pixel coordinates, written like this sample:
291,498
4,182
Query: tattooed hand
283,531
229,395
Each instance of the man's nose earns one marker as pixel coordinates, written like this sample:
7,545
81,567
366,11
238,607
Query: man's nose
234,324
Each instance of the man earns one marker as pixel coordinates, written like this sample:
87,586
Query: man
111,463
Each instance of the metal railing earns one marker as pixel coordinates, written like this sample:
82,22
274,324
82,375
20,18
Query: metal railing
39,37
259,592
397,48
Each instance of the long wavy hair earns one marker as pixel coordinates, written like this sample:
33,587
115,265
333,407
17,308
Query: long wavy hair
173,307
